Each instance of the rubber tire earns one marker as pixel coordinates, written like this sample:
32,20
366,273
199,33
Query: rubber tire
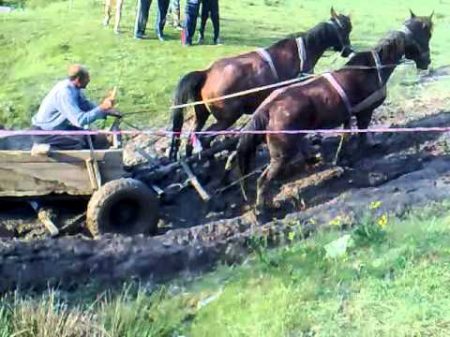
112,197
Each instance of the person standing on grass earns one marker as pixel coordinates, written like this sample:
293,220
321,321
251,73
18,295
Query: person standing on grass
143,9
192,9
161,15
174,10
210,8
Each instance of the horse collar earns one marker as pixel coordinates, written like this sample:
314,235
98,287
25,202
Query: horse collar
378,64
330,78
266,57
301,54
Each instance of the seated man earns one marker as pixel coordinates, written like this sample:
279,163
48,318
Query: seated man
66,108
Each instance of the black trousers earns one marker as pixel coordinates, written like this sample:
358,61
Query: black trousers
210,8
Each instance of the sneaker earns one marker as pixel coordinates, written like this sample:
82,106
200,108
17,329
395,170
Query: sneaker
200,40
218,42
105,22
160,37
139,36
179,27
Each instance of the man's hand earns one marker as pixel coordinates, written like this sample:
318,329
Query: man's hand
107,104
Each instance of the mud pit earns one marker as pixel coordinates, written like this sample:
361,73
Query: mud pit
406,171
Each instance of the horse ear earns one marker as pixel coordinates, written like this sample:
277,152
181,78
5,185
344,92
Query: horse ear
431,16
412,14
333,13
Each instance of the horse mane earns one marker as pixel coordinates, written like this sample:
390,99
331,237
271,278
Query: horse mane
388,45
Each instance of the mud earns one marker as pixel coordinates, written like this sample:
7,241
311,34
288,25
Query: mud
404,172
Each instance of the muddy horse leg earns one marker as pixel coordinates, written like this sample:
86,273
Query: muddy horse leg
201,116
264,181
218,126
363,120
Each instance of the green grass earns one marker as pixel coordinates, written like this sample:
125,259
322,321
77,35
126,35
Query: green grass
391,281
38,43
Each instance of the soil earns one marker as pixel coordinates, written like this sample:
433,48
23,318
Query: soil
405,171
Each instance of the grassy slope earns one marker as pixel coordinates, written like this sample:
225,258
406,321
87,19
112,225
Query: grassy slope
37,44
393,282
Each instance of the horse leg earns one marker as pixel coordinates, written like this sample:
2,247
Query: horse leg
363,120
201,116
269,174
220,125
119,5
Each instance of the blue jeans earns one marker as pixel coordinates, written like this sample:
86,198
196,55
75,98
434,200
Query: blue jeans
192,8
143,7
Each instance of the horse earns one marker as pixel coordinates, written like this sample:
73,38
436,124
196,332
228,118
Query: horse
286,59
118,14
329,101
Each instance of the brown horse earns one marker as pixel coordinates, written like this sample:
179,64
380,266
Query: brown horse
330,100
284,60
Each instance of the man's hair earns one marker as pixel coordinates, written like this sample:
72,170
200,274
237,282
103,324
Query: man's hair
77,71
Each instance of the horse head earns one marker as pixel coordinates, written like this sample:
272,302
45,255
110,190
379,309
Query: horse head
418,31
342,27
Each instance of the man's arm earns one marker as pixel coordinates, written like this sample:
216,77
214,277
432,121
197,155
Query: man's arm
85,104
69,108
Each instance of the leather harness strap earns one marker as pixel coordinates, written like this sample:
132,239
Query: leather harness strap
266,57
374,97
301,54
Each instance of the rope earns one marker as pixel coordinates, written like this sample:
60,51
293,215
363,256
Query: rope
278,84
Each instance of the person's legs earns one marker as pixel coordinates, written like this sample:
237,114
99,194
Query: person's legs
143,7
175,13
214,5
163,6
118,17
204,17
192,7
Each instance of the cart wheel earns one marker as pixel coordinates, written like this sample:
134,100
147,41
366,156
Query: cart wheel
125,206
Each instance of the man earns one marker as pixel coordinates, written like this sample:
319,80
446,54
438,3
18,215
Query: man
66,108
163,7
210,8
143,9
192,8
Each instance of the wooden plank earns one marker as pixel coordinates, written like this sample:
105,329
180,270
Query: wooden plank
58,156
194,182
29,178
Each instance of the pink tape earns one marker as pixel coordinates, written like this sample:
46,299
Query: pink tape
166,133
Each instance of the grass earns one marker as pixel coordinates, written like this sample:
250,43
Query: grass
392,280
40,41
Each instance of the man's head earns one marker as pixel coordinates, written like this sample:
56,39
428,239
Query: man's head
79,75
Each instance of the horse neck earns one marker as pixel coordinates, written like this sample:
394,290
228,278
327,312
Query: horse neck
317,41
390,52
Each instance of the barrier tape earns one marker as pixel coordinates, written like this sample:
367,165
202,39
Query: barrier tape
166,133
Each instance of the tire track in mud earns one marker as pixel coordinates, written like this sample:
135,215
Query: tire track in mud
413,173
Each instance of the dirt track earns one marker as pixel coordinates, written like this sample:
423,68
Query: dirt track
409,170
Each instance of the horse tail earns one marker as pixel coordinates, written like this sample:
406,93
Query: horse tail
187,89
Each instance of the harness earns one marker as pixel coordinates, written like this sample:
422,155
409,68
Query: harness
266,57
337,25
367,102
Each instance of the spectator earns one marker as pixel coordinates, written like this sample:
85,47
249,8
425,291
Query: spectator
192,8
174,10
143,9
210,8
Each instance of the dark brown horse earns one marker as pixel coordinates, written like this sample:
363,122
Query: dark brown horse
284,60
330,100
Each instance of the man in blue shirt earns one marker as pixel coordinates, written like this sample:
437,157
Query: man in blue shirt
66,108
